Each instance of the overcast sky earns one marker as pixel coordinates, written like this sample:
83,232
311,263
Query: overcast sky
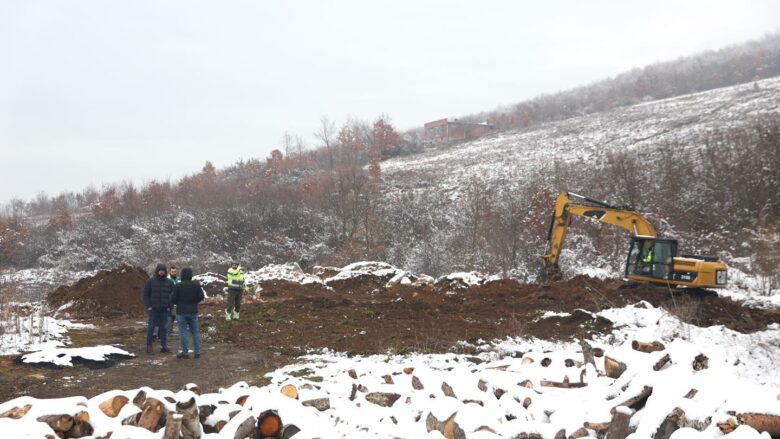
100,91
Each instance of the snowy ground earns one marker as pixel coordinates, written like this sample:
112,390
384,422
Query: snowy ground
502,392
25,328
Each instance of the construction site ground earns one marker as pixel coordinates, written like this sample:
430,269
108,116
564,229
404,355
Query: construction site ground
287,322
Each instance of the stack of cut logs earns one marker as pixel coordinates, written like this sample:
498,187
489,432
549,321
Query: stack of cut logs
188,420
231,413
619,426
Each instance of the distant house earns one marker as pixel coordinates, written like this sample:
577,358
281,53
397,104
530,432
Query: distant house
444,130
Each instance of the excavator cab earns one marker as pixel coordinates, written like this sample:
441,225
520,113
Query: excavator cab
651,257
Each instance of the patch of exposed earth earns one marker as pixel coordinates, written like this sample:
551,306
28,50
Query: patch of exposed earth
281,325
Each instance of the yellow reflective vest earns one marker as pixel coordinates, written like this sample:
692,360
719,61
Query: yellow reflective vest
235,278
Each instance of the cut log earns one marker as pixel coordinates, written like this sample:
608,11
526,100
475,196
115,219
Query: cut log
525,435
172,425
482,385
579,433
353,393
526,383
320,404
613,368
242,400
598,427
140,399
288,431
561,434
269,424
382,399
647,347
190,423
546,361
352,374
762,422
672,423
192,388
416,383
132,419
598,352
449,428
526,361
701,362
388,379
408,370
729,425
569,362
498,392
637,401
661,363
204,411
691,393
618,428
112,406
290,391
527,402
81,428
246,429
81,416
565,384
153,415
447,390
58,423
16,412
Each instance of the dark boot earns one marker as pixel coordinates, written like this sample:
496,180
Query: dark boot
165,350
149,349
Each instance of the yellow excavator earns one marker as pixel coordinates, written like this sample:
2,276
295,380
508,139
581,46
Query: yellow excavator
650,258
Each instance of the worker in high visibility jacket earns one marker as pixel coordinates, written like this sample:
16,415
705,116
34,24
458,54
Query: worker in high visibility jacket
236,287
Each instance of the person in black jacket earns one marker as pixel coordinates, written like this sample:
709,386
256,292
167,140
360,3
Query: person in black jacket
186,296
157,299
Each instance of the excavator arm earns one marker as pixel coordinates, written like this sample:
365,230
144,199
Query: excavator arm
568,205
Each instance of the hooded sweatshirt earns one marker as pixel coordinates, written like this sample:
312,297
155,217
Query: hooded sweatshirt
158,289
187,294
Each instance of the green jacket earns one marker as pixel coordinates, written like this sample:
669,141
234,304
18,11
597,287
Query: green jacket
174,279
235,278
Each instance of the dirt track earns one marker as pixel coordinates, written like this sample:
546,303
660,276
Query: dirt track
402,319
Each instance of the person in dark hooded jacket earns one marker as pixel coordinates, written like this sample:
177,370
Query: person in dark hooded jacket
186,296
157,299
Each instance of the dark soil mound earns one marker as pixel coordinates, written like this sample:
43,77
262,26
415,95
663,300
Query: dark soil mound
281,287
107,294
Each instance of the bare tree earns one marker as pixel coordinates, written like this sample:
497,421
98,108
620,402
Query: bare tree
326,135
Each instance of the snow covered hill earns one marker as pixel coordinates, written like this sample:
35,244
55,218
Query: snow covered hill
587,139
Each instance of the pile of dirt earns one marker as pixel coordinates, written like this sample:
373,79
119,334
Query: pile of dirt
282,287
107,294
